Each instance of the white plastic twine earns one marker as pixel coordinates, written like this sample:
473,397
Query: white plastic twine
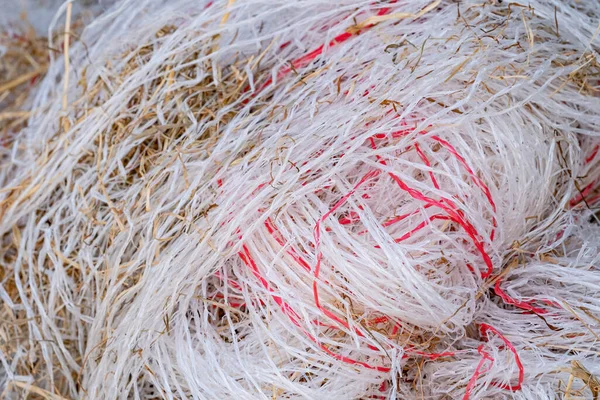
266,199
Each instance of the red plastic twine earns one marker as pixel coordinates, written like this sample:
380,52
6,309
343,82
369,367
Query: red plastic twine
589,187
309,57
485,329
484,357
524,305
452,212
593,154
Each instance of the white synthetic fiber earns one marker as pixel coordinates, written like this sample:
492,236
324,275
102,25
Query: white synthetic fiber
165,236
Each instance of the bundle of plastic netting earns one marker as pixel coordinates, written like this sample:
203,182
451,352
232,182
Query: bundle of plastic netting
305,199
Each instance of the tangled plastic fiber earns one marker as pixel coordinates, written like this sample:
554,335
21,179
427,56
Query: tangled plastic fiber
341,199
